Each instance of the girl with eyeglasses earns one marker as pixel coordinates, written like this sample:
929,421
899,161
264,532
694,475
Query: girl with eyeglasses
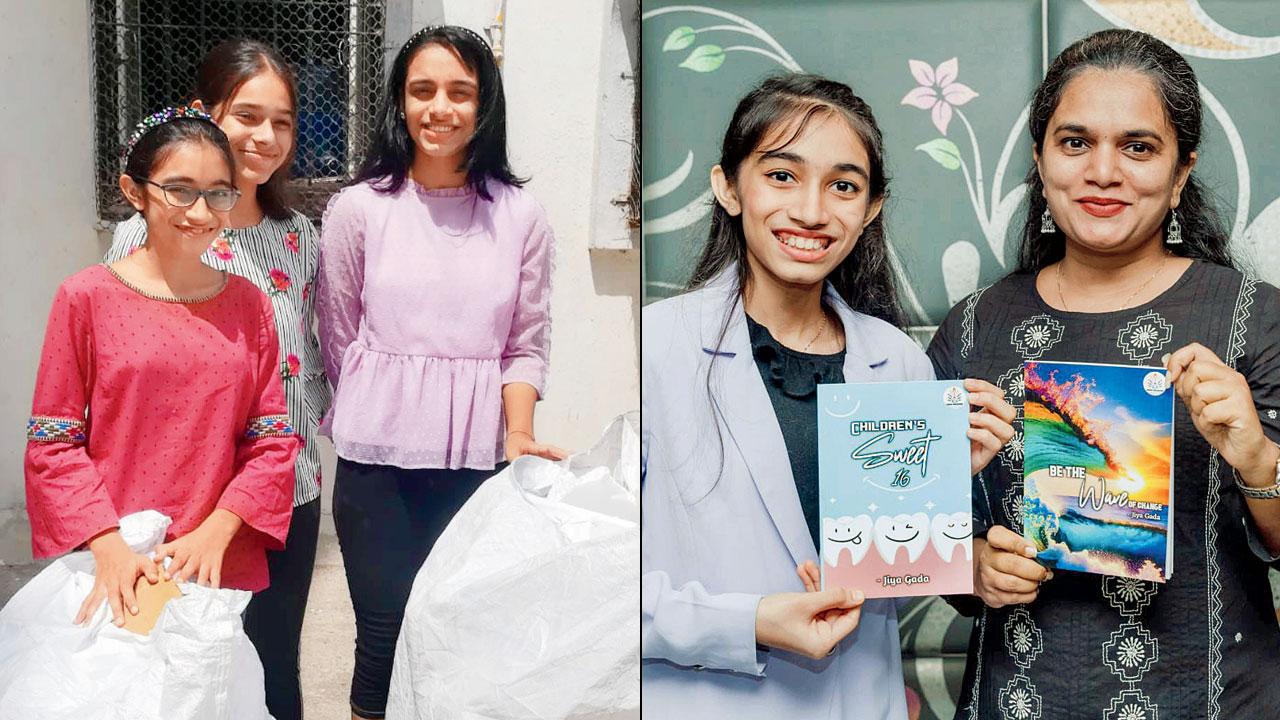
158,390
251,93
433,308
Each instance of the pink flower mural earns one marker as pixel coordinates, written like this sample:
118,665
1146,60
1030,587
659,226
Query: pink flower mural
938,91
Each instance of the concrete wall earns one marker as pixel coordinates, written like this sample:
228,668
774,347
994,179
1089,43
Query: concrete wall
46,211
555,50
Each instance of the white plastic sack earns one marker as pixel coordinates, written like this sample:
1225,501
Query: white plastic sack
526,607
197,662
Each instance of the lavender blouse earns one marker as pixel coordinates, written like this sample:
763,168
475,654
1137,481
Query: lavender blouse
428,302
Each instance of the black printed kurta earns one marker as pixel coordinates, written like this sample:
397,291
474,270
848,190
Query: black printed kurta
1203,645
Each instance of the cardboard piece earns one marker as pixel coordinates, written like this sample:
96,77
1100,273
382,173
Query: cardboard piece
151,600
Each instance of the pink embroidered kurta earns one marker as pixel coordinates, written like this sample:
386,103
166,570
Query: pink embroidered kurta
428,302
144,404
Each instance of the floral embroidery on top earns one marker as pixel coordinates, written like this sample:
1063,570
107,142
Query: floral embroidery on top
1019,699
306,290
1036,335
291,241
221,249
290,367
279,280
1131,705
42,428
1144,336
268,425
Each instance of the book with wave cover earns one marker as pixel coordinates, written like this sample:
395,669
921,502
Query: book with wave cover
1098,468
894,487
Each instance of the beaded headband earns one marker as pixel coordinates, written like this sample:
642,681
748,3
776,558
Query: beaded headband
413,38
156,119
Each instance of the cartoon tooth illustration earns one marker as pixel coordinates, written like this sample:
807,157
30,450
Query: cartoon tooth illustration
846,532
901,531
950,530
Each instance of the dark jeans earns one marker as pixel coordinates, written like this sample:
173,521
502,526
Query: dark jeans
273,620
387,519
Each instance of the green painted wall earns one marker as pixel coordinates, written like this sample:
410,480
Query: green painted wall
957,172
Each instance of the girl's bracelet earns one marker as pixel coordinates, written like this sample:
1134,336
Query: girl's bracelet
521,432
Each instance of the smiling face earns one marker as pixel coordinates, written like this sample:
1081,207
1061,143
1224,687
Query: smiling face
803,204
198,165
441,97
1110,162
259,122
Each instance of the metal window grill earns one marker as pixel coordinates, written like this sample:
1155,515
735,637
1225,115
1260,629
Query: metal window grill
145,54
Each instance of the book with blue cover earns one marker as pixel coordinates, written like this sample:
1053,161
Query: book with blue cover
1098,468
894,487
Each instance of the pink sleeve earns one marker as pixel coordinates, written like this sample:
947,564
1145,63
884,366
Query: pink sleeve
67,501
261,488
340,282
525,357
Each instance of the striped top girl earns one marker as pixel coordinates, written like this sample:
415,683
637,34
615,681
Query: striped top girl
281,257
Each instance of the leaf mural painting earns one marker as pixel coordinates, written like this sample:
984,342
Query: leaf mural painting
943,151
704,58
679,39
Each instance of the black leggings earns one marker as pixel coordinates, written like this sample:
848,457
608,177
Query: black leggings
387,519
273,620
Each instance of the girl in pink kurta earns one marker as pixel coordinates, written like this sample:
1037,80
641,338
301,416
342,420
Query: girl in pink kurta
159,389
433,309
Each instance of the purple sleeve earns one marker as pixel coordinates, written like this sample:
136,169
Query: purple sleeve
339,282
524,359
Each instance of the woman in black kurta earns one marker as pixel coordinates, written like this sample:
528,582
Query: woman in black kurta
1124,261
1091,646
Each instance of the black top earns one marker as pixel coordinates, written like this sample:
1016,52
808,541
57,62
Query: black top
1202,645
792,378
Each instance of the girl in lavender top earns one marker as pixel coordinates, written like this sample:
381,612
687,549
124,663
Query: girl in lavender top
433,308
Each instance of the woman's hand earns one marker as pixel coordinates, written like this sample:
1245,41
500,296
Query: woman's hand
116,570
522,443
1004,569
989,426
808,623
1222,409
198,554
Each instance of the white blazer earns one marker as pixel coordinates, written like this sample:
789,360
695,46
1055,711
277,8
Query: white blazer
722,524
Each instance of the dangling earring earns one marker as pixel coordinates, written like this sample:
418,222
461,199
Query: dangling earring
1046,223
1174,235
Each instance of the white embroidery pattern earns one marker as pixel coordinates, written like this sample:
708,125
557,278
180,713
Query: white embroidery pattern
972,707
1022,638
1013,383
1131,649
1035,335
1131,705
1019,699
1235,350
1144,336
966,322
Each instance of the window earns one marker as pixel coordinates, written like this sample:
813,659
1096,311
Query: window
145,54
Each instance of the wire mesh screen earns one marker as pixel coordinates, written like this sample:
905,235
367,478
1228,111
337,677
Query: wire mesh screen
146,53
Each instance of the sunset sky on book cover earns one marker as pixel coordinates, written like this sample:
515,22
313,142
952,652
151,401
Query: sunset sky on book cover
895,489
1098,458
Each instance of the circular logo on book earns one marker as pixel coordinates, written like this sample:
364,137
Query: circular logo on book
953,396
1155,383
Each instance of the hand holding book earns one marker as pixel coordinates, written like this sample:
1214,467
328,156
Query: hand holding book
1004,569
1221,407
989,425
809,624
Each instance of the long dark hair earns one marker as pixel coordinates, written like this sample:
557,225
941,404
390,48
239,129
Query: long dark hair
864,279
222,71
1204,236
391,148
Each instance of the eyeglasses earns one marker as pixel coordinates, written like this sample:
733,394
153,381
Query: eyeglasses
218,199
